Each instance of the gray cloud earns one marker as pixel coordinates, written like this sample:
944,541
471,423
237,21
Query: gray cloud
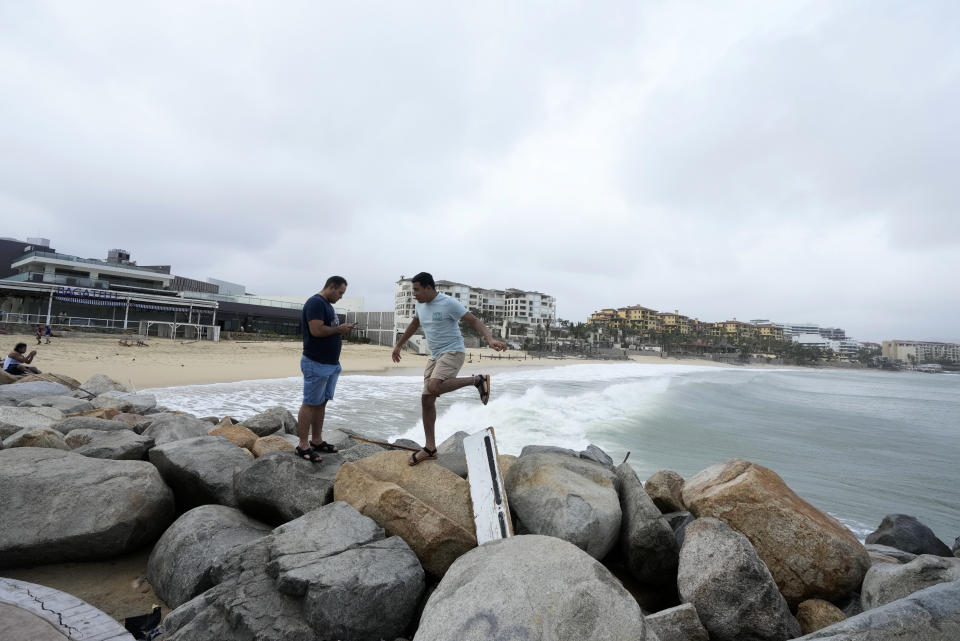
781,160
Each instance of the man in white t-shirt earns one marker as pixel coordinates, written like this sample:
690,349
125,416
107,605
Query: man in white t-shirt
440,316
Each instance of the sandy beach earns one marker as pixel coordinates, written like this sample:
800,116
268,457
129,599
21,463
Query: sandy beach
165,362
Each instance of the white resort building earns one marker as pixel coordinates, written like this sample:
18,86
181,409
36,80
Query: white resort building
509,313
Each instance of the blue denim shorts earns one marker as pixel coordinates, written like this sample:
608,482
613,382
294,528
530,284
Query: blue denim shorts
319,381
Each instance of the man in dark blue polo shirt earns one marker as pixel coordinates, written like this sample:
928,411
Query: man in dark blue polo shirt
320,364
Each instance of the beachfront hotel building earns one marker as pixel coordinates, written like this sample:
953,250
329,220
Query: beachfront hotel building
40,286
508,313
920,351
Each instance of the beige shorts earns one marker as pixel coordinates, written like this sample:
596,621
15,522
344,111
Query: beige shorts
446,366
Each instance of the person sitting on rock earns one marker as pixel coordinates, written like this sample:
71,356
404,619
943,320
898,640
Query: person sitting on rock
17,364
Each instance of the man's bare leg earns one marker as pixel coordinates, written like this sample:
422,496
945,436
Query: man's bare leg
428,405
310,418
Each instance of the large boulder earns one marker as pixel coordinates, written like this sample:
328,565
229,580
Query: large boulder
60,506
271,443
100,383
427,505
885,550
329,574
272,420
236,434
679,623
907,533
14,419
732,590
66,404
200,470
886,582
359,451
451,455
816,614
181,561
125,401
647,544
665,487
175,427
570,498
531,587
16,394
72,423
279,487
121,445
932,614
36,437
7,378
809,553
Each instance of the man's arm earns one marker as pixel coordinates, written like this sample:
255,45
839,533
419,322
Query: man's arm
478,325
411,329
319,329
17,356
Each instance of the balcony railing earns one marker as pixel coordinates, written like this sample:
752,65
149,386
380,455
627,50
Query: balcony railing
59,279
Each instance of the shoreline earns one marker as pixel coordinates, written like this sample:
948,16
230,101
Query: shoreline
174,363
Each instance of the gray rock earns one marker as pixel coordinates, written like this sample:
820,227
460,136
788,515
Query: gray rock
886,550
60,506
200,470
678,522
279,487
665,487
570,498
340,440
175,427
678,624
328,575
450,454
406,443
121,445
126,401
594,453
14,419
181,561
530,587
66,404
647,544
36,437
99,383
732,590
907,533
359,451
72,423
547,449
11,395
886,582
272,420
932,614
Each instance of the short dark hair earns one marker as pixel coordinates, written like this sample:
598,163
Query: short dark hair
424,279
17,347
335,281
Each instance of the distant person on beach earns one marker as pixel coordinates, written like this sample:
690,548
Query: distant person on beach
39,334
17,364
47,333
320,364
440,317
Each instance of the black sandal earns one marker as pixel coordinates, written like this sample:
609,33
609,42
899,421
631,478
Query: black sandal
308,454
483,386
431,454
324,447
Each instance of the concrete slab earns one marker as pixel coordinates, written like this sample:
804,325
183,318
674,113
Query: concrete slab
37,610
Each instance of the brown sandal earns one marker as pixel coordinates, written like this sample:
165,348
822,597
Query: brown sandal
431,454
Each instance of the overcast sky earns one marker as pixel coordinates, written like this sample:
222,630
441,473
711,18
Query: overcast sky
795,161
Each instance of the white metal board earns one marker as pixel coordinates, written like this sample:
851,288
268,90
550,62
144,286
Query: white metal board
491,512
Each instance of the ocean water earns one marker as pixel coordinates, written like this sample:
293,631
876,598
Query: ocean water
857,444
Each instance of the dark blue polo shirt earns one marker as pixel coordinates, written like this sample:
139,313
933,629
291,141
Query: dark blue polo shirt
322,350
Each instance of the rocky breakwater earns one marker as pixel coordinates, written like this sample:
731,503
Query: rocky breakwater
364,547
